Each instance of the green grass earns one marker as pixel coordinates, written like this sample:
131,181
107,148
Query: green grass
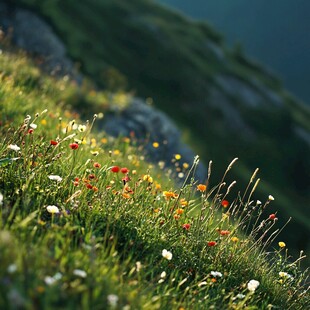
102,248
160,54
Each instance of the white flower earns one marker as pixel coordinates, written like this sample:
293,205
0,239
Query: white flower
138,266
55,178
49,280
240,296
57,276
163,274
216,274
270,197
33,126
52,209
283,274
253,285
112,300
12,268
82,128
14,147
80,273
1,199
166,254
161,280
258,202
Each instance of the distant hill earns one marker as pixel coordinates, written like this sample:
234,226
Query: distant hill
274,32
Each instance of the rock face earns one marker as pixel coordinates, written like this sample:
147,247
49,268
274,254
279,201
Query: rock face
32,34
149,125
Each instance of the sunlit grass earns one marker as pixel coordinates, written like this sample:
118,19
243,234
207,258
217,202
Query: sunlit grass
87,223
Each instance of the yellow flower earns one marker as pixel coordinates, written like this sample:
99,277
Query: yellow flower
234,239
177,156
148,178
155,145
185,165
282,244
183,202
44,122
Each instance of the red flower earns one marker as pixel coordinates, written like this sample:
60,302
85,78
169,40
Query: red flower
124,170
225,203
186,226
115,169
224,232
53,142
89,186
272,216
74,146
30,131
97,165
212,243
91,176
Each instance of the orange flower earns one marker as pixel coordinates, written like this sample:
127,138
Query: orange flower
125,195
169,195
179,211
201,187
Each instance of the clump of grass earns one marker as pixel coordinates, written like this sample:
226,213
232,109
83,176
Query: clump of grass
86,222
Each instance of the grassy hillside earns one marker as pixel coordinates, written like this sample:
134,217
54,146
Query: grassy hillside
226,105
78,233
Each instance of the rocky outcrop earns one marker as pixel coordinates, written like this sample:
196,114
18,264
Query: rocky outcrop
29,32
33,34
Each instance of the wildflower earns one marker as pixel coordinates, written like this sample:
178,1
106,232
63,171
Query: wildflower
216,274
81,128
272,217
225,203
282,244
212,243
96,165
91,176
177,156
112,300
12,268
115,169
52,209
213,280
124,170
252,285
163,274
270,198
258,202
234,239
179,211
169,195
55,178
240,296
80,273
74,146
283,274
1,199
155,145
183,202
166,254
126,196
186,226
148,178
138,266
30,131
224,232
89,186
14,147
49,280
176,216
53,142
201,187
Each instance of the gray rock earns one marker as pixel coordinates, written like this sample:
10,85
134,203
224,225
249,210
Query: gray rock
151,125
